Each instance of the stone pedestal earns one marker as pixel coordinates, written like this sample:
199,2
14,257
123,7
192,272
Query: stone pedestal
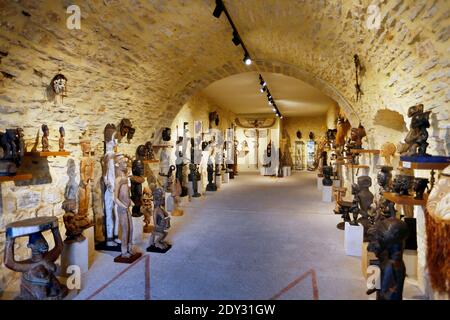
327,193
218,180
410,260
138,229
169,202
353,240
286,171
191,188
336,183
75,253
89,233
226,177
319,183
422,277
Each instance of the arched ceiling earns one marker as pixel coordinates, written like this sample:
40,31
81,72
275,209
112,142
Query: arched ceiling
240,94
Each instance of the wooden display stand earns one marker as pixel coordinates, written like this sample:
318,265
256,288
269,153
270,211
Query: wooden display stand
356,166
365,259
150,161
405,200
17,177
45,154
365,151
157,146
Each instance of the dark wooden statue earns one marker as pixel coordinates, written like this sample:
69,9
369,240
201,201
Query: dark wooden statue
384,180
137,180
327,173
402,184
194,174
12,148
420,185
387,238
416,140
45,144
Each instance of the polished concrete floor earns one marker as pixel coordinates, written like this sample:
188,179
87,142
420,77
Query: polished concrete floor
256,238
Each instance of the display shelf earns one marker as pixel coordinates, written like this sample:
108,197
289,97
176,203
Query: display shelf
17,177
423,165
365,151
162,146
408,200
150,161
357,166
44,154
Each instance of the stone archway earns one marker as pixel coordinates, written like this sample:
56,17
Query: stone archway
260,65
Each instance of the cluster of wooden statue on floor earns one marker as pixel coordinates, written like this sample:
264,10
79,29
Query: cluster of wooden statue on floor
385,232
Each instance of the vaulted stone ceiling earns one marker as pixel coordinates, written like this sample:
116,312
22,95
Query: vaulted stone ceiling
143,56
294,98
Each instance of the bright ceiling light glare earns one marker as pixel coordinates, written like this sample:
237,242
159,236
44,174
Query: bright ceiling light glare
219,9
274,110
270,103
247,60
281,117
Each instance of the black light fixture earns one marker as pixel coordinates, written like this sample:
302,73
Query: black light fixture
219,8
237,40
270,99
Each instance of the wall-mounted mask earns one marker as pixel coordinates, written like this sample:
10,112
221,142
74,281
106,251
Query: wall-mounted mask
59,84
166,134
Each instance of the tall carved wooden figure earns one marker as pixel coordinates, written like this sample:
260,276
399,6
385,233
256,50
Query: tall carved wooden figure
109,178
123,202
86,177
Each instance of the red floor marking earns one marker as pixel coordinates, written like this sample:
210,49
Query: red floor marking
114,279
147,278
297,281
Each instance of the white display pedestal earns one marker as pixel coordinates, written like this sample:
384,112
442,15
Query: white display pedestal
138,229
191,188
169,202
75,253
422,276
353,240
286,171
226,177
327,193
218,181
319,183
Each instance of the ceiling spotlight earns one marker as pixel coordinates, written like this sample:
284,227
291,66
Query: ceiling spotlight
270,103
281,117
277,114
236,39
262,89
247,60
274,110
219,9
